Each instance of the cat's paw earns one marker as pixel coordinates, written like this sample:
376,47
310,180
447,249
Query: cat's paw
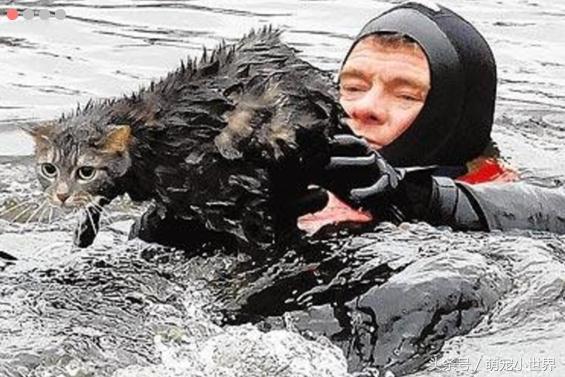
87,229
147,227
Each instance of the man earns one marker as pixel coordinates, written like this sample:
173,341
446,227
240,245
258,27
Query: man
419,87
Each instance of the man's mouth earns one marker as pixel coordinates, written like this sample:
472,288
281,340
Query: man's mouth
375,145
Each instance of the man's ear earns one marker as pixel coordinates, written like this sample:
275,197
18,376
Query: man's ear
41,133
117,140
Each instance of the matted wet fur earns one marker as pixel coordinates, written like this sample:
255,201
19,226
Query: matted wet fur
212,144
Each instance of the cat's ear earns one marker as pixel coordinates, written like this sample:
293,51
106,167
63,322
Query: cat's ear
117,140
41,133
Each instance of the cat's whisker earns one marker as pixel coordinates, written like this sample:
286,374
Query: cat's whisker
43,213
50,219
26,210
92,200
103,211
106,216
8,210
70,215
106,219
74,213
35,213
94,227
105,222
39,208
38,222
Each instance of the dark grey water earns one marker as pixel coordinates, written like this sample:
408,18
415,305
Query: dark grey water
111,310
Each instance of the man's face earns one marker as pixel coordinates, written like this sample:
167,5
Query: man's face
383,88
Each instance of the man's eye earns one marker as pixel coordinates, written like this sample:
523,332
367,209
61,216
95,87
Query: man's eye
49,170
351,88
408,97
86,173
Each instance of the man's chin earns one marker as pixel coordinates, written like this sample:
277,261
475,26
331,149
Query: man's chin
374,145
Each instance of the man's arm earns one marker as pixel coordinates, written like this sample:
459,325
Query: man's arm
362,178
491,206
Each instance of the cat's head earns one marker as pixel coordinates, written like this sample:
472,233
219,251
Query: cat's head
80,165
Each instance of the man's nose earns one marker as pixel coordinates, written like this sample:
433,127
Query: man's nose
370,109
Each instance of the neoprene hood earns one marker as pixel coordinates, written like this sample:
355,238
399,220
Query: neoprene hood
455,123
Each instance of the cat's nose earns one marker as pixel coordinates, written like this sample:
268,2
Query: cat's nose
63,197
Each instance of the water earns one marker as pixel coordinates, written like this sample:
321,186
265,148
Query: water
119,308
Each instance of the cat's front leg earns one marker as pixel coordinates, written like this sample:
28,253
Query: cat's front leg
160,226
88,227
148,225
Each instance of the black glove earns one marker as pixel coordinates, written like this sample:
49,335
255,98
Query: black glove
312,200
364,179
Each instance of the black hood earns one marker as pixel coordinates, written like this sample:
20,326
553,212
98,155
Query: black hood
455,123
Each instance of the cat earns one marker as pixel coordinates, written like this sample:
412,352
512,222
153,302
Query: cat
221,146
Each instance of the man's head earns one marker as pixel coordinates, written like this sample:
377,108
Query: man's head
383,86
419,84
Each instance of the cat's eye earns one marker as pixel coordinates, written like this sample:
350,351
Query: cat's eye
48,170
86,173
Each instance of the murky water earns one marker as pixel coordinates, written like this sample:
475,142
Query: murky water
128,309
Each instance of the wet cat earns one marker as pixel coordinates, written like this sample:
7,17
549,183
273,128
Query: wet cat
221,146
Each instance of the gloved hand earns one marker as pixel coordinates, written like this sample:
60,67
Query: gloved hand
361,177
313,200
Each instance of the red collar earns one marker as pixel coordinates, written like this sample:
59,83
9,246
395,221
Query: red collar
488,170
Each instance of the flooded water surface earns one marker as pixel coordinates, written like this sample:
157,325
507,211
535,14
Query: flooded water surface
125,308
